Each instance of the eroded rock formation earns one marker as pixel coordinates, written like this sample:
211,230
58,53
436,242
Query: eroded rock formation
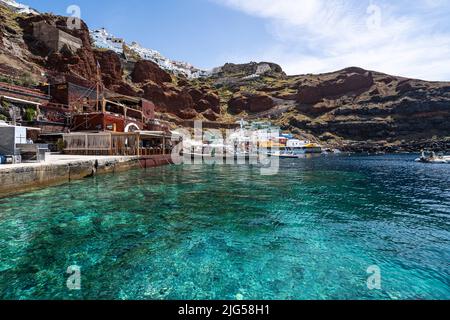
350,107
149,71
251,103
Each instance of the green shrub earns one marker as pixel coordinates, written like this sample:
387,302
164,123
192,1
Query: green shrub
30,114
5,105
25,80
60,145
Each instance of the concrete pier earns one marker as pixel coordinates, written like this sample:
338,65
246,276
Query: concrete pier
58,169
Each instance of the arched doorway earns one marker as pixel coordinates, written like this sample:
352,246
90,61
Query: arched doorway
131,127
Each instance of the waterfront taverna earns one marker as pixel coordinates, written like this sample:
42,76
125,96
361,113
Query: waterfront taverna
97,132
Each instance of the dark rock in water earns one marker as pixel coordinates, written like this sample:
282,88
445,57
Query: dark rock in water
171,205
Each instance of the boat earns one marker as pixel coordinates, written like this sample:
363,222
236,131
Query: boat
217,152
284,155
299,147
433,158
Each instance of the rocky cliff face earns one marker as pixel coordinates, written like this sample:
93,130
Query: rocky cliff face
104,40
149,71
16,59
313,91
249,102
358,105
80,64
352,108
252,69
22,51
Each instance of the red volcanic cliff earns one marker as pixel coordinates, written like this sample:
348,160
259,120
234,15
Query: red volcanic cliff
145,71
353,107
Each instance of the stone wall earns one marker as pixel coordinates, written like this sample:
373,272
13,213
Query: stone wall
54,38
26,178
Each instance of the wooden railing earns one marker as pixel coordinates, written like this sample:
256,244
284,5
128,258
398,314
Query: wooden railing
154,151
109,143
23,91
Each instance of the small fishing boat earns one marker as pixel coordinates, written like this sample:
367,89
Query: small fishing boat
433,158
298,147
284,155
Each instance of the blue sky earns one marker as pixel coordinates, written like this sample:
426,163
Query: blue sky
409,38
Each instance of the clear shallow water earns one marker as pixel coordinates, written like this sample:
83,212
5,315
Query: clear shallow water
221,232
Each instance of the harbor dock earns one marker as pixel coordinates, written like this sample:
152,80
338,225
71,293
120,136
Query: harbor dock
59,169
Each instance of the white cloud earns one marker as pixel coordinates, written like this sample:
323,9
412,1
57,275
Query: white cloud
400,37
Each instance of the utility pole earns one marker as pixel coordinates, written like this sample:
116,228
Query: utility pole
98,86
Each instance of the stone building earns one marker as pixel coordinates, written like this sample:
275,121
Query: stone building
55,38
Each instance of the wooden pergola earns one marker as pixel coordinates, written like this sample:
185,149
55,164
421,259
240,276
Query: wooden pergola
139,143
121,109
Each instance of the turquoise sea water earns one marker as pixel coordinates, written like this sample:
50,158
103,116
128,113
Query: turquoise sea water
226,232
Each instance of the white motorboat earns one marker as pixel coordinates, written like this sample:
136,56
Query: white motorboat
433,158
299,147
284,155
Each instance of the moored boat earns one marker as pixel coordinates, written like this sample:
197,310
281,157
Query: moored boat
285,155
299,147
433,158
